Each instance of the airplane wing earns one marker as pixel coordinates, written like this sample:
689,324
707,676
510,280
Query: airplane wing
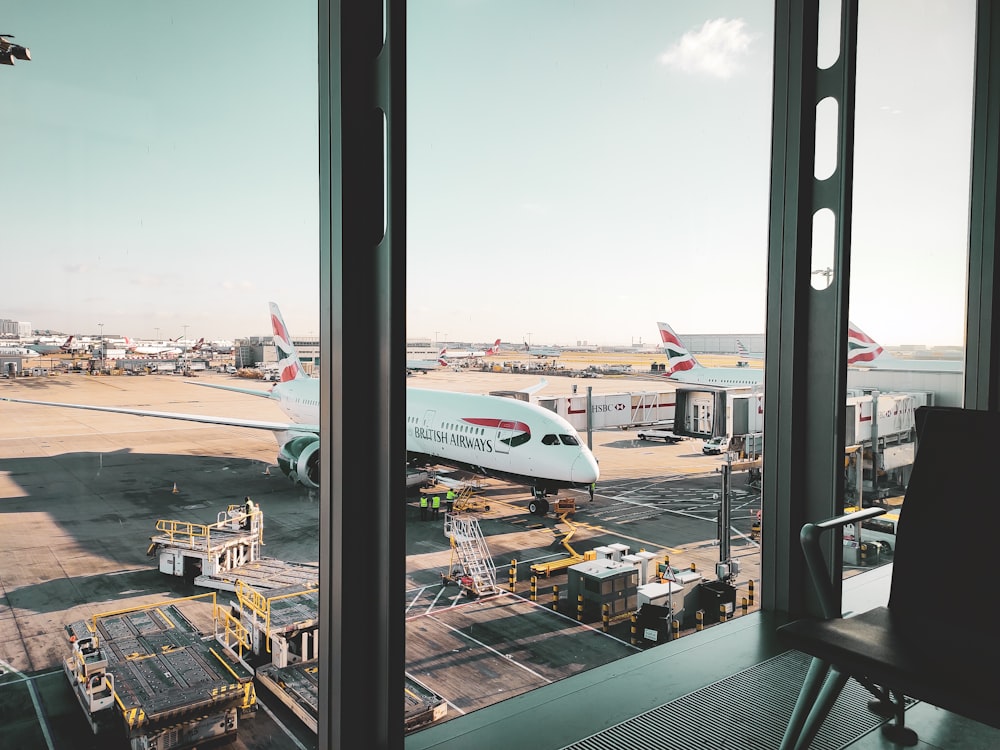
536,387
207,419
234,388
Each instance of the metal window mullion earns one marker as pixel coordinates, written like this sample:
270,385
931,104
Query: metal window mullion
805,386
982,336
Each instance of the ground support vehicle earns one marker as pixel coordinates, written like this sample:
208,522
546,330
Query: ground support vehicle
280,627
148,671
652,433
220,554
422,706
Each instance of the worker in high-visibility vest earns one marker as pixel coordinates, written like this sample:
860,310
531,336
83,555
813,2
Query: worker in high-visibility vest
423,507
449,500
436,506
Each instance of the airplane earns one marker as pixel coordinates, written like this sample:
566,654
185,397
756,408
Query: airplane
161,348
51,348
423,365
745,354
474,354
9,51
493,435
541,351
864,352
684,368
17,351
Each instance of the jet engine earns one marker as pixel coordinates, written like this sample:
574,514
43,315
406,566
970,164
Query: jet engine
299,460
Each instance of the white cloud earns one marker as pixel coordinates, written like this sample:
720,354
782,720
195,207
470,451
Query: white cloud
715,49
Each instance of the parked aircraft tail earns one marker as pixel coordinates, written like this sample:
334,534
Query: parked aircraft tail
289,365
860,346
678,357
67,345
495,349
441,357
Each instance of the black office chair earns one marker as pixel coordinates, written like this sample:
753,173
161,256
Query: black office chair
935,641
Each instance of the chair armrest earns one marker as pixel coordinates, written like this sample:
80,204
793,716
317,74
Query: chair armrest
809,538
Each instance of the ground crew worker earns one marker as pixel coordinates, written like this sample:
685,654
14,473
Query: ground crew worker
593,486
436,505
449,500
423,507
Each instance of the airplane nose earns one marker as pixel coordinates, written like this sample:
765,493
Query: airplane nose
585,469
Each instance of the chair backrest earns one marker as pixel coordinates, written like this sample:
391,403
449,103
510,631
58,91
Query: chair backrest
944,562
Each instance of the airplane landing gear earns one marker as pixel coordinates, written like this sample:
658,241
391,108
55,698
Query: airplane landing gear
538,506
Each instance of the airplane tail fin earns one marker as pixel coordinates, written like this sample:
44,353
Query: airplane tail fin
860,346
198,344
742,350
66,344
678,357
493,349
289,364
442,360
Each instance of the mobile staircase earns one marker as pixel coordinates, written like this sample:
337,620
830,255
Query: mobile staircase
478,576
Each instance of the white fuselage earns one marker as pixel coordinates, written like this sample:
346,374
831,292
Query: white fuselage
723,377
493,434
497,435
17,351
885,362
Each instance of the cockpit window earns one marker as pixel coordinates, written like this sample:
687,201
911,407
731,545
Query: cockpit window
569,440
550,440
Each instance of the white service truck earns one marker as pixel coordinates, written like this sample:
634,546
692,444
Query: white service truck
659,433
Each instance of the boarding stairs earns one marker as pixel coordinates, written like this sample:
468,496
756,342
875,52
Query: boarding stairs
469,545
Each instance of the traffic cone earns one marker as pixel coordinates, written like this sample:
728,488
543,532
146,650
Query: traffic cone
174,490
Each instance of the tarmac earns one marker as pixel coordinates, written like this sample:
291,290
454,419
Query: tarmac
81,492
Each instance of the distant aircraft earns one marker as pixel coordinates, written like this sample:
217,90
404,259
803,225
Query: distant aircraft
744,354
51,348
542,351
492,435
864,352
423,365
169,348
684,368
17,351
9,51
466,354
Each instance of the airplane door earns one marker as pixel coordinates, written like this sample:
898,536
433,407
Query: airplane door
427,426
505,431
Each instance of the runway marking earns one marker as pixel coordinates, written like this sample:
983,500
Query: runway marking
498,653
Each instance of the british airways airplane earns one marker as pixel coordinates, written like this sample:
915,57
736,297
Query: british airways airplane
491,435
684,368
864,352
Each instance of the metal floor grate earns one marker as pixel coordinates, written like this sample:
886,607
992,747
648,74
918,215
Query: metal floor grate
746,711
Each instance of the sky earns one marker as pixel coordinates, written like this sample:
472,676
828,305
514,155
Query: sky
577,170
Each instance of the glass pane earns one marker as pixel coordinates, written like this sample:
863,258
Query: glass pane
159,191
910,245
577,174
